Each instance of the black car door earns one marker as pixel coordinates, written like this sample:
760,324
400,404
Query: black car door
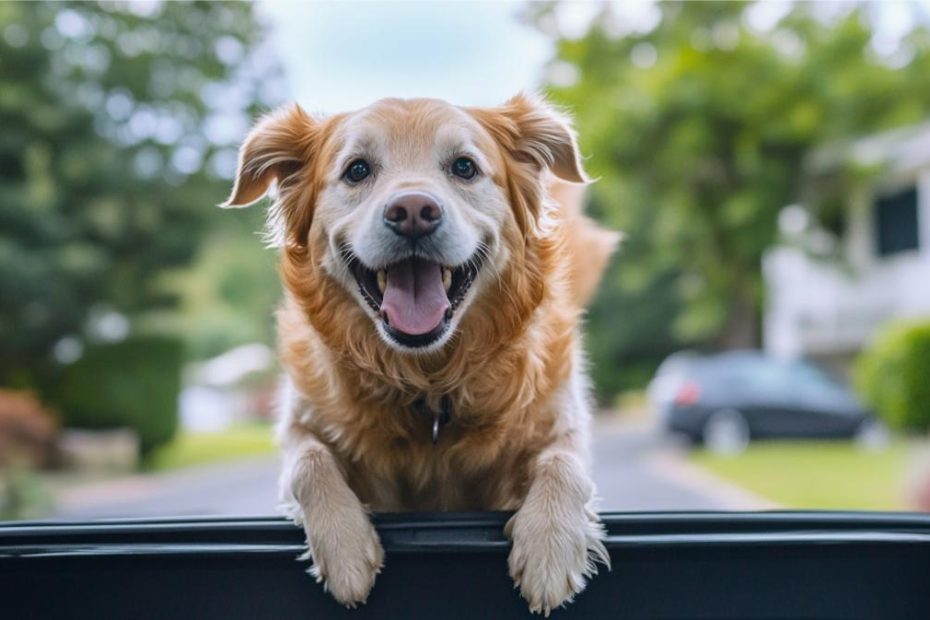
772,406
825,408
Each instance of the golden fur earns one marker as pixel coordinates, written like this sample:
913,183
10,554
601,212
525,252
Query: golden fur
506,369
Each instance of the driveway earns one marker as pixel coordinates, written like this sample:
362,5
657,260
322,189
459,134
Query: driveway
638,469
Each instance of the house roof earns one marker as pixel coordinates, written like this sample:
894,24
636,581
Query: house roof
900,150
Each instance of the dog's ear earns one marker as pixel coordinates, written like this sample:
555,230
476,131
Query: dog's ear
534,131
275,150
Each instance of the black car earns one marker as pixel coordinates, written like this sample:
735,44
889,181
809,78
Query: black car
726,400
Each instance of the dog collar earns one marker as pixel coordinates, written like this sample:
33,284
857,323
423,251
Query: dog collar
439,418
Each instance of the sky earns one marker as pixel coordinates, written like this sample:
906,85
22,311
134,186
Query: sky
344,55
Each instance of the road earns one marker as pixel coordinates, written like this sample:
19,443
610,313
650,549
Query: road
634,469
637,469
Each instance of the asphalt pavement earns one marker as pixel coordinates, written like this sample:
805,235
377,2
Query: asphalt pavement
635,469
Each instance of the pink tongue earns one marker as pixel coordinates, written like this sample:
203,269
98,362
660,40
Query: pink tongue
415,301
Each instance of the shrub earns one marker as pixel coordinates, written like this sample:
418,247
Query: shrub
132,384
893,376
27,430
22,494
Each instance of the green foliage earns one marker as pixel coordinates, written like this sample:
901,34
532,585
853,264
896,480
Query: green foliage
120,124
626,358
133,384
22,495
893,376
228,292
698,131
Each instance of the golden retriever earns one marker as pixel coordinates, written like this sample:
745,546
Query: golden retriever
429,330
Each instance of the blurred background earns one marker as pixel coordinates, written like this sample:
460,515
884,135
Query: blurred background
761,339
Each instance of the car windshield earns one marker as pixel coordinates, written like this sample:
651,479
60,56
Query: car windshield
759,339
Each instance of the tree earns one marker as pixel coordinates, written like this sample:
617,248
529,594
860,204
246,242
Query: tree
699,130
119,126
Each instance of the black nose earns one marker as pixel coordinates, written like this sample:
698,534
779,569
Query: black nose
413,214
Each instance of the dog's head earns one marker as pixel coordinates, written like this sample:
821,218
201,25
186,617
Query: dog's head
413,206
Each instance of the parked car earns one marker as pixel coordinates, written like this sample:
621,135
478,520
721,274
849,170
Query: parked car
726,400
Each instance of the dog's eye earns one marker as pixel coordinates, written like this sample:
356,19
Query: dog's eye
357,171
464,168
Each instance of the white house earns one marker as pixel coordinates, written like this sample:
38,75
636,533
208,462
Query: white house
214,397
830,309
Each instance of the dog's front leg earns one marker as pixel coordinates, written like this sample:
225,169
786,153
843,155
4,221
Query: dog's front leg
343,544
557,538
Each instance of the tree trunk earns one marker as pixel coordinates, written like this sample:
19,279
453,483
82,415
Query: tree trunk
742,327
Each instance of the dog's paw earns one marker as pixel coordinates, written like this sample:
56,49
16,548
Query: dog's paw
347,556
553,555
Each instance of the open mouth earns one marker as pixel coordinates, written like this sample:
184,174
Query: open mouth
414,297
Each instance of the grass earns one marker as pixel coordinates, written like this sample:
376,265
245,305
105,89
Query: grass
818,475
189,449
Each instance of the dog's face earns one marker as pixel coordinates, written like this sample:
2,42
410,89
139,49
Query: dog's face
413,217
413,206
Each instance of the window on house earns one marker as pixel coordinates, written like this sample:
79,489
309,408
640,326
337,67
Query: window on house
896,227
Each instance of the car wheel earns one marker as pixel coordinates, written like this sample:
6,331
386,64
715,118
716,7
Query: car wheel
726,432
872,435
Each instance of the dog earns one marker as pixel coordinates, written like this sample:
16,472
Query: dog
436,263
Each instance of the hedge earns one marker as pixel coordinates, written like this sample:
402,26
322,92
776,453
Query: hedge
132,384
893,376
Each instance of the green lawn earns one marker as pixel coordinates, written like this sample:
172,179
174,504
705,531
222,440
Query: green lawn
199,448
818,475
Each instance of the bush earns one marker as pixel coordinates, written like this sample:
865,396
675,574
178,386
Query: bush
133,384
28,431
22,494
893,376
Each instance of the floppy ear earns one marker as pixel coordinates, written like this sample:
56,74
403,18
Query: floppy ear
275,149
536,132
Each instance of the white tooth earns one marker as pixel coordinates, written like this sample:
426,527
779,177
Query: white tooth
447,279
382,280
